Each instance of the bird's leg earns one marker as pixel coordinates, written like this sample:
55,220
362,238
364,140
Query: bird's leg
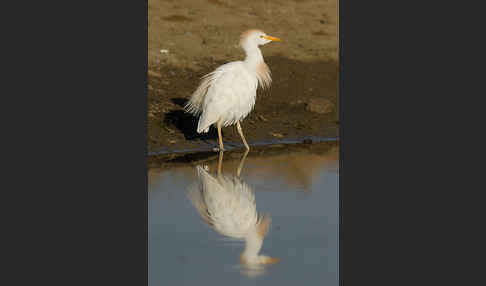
242,162
238,126
221,148
220,163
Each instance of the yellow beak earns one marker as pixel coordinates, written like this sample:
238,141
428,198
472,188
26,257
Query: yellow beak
275,39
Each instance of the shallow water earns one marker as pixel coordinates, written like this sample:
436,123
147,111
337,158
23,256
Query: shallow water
232,146
299,191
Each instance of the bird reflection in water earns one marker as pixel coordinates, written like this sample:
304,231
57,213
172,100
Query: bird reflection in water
227,205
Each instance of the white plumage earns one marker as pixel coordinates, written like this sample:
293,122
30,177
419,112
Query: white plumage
227,95
228,205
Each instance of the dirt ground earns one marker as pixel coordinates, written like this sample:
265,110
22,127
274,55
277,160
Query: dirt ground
188,39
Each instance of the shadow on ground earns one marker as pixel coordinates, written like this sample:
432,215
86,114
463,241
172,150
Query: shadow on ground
186,123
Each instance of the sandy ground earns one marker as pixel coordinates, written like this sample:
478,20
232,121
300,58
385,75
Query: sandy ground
188,39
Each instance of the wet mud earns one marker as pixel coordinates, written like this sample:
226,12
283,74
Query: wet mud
182,159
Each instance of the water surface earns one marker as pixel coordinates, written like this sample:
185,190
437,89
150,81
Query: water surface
299,191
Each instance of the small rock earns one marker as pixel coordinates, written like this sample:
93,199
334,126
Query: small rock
169,130
276,146
150,87
164,51
172,141
262,118
323,21
153,73
278,135
320,105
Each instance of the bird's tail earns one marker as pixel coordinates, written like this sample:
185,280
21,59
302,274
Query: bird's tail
196,197
195,103
202,170
193,106
207,118
202,128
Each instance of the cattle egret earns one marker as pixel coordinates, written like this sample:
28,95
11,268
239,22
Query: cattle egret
227,95
227,205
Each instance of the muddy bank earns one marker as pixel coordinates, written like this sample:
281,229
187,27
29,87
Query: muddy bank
299,165
188,39
296,151
289,110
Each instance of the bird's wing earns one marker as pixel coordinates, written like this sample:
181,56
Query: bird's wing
197,201
234,210
219,77
230,95
228,205
194,105
202,195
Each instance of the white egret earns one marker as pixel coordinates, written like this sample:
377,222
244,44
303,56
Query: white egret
227,95
227,204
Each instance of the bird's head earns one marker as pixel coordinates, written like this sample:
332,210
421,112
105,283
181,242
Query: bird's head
256,38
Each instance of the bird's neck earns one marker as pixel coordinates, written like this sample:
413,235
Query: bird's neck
253,56
252,247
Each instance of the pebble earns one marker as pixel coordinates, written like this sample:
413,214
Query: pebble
262,118
320,105
169,130
278,135
153,73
